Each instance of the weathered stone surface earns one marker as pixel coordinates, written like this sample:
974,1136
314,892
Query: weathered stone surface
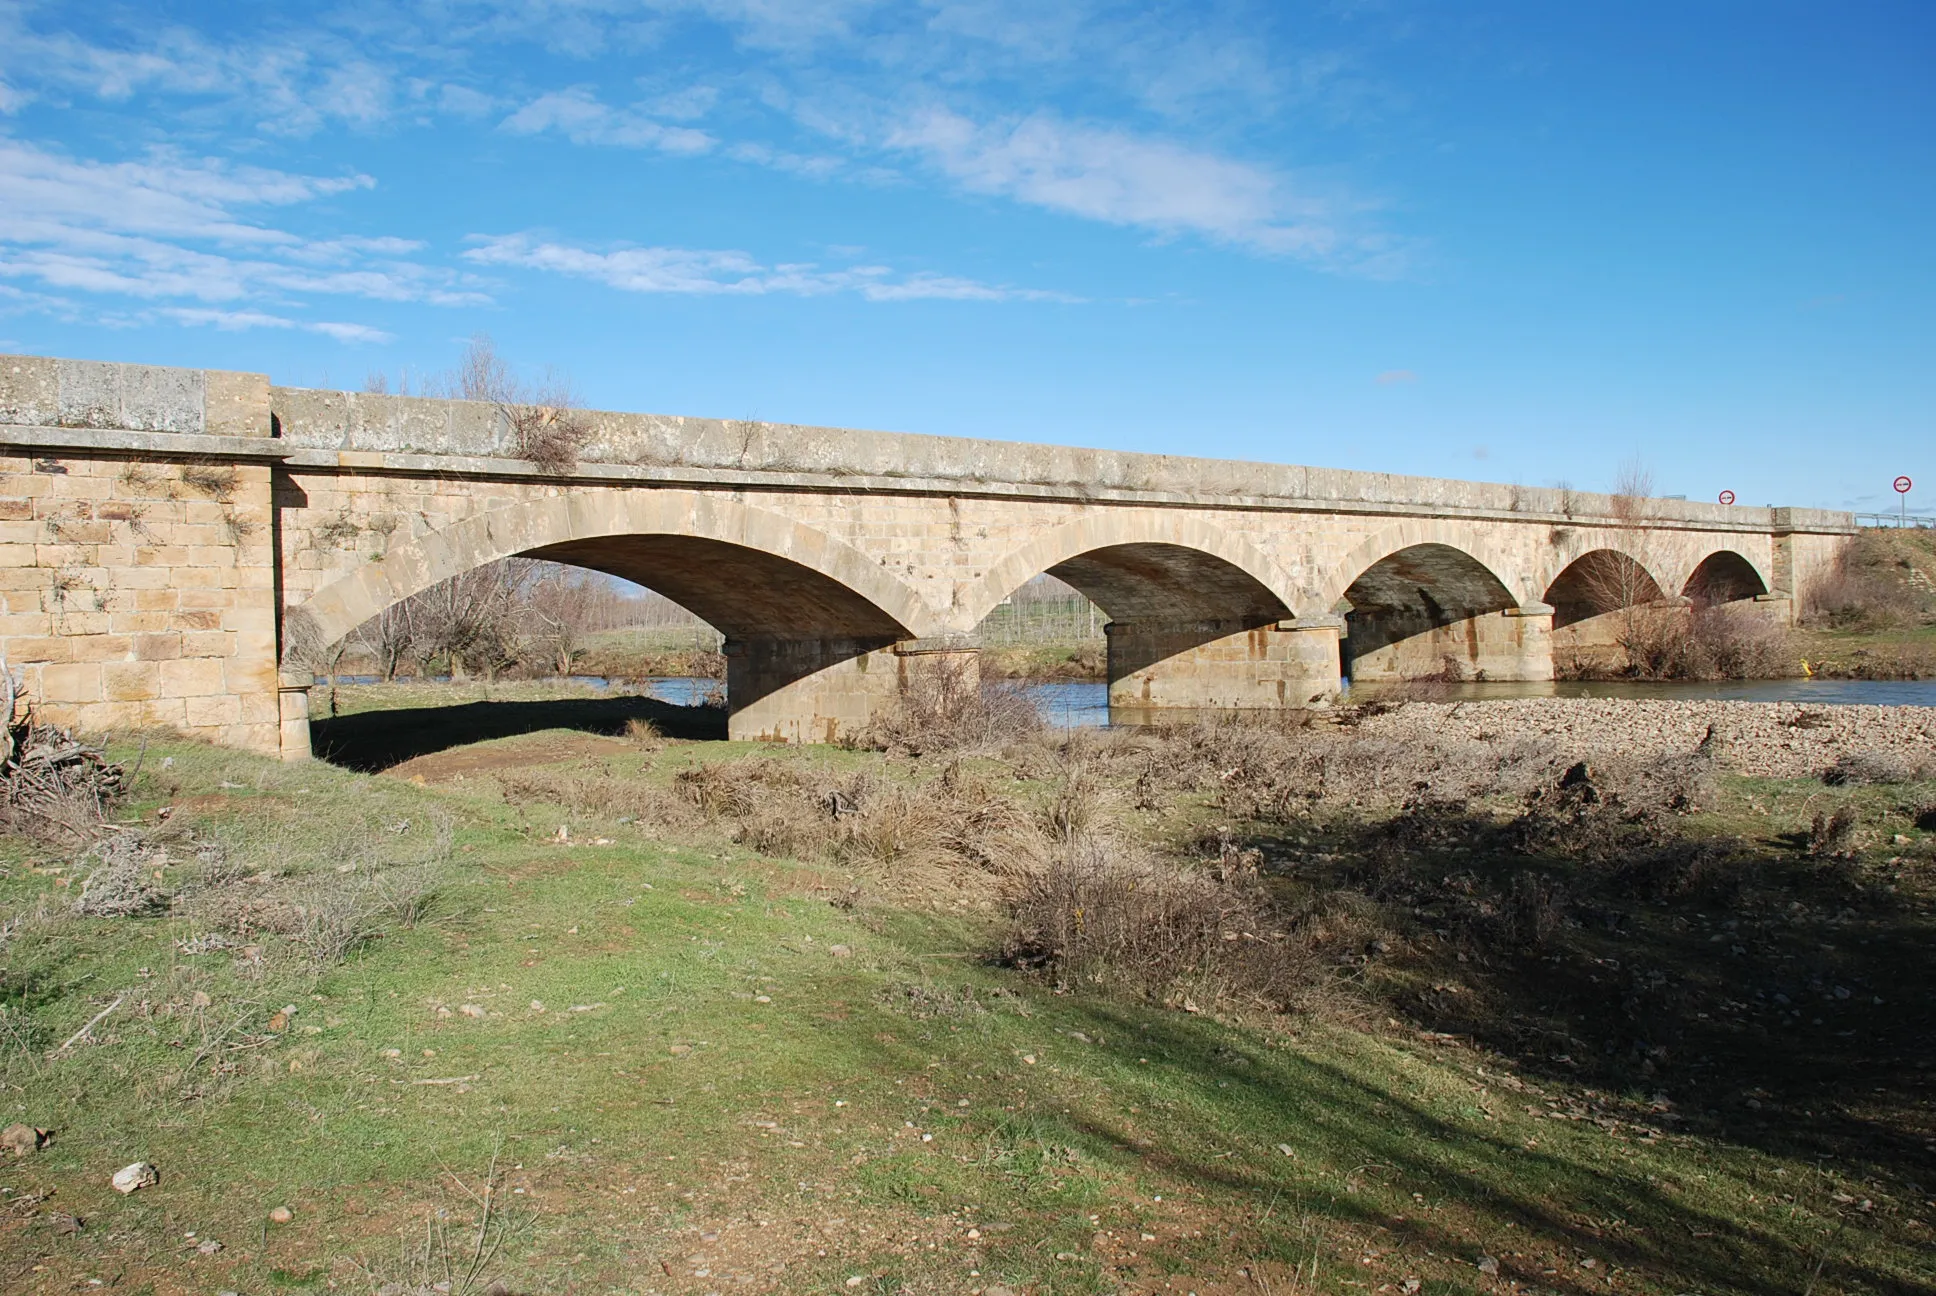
131,595
29,390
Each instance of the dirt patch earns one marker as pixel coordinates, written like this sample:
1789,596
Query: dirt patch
510,754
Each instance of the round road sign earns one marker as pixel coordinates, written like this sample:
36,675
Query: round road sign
1727,497
1902,485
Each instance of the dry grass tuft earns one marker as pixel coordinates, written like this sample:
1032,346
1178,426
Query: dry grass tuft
947,708
1832,836
1100,913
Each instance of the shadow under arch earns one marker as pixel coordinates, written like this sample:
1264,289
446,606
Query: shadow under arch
1724,576
1178,568
1193,613
1598,582
843,589
802,612
1417,614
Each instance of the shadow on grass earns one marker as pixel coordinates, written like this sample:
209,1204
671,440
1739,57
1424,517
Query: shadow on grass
1477,1191
1375,1160
370,741
1777,1002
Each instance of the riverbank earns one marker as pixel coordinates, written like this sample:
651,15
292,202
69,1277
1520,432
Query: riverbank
1757,739
1386,994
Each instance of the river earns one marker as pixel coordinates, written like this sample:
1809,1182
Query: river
1083,705
1086,705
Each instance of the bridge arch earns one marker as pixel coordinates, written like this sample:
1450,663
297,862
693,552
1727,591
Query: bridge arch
1437,538
1724,576
746,570
1176,569
1426,600
1597,582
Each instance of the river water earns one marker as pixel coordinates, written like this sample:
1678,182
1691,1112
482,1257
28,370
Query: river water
1086,705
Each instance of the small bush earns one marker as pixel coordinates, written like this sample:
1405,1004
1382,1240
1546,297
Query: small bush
214,480
643,734
1102,914
945,707
1871,586
1864,767
548,437
121,884
1832,836
1537,906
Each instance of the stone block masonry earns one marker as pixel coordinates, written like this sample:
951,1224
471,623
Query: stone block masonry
175,543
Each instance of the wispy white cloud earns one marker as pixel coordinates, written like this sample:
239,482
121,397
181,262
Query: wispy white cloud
237,321
173,228
286,84
582,118
711,272
1123,178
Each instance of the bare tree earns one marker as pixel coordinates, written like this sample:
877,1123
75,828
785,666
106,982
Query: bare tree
563,607
546,418
390,637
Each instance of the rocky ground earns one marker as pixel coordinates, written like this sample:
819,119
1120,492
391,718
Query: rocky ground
1760,739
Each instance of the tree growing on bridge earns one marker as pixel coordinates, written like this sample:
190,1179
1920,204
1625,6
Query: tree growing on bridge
547,421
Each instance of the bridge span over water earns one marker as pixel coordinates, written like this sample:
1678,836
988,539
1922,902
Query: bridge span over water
172,541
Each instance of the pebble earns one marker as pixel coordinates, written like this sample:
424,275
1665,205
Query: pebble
473,1010
840,951
209,1247
1488,1266
132,1178
281,1215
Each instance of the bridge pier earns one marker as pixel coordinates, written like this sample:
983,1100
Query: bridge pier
292,697
1183,667
821,690
1509,645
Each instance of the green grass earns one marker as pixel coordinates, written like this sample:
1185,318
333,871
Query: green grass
711,1086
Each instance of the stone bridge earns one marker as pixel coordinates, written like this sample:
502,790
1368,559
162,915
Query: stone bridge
172,541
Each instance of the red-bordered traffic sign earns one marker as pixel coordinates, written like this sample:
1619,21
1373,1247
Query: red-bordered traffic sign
1727,497
1902,485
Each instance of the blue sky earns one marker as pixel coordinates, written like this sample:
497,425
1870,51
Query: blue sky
1518,242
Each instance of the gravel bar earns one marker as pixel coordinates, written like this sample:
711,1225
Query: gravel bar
1764,739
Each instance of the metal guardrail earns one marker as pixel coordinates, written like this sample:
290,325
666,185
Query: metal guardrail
1919,521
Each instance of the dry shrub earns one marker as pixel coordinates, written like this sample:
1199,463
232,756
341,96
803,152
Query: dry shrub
945,707
215,480
121,883
596,793
1832,836
643,734
899,825
1103,914
1714,871
1871,586
1537,909
896,826
1706,641
1865,767
548,437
